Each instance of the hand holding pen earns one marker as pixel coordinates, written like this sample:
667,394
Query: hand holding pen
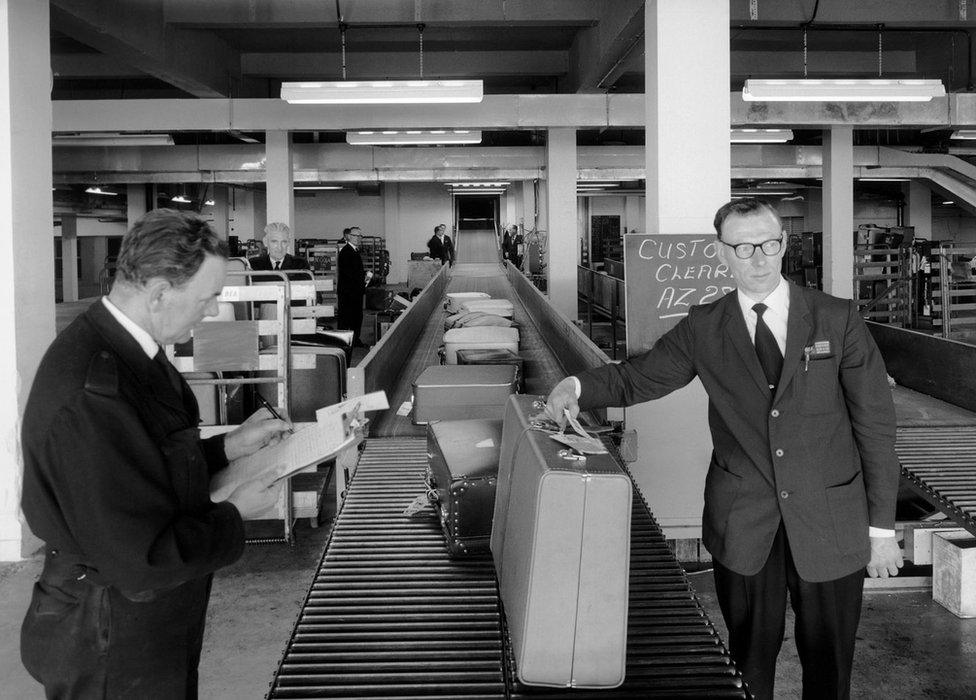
274,413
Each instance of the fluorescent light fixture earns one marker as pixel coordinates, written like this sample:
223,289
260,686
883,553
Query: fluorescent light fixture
949,201
95,189
112,139
180,199
318,187
884,179
478,184
383,92
413,137
484,191
964,134
761,135
841,90
597,184
209,203
763,193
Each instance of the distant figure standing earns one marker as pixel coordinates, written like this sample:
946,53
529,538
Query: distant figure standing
277,238
351,285
441,246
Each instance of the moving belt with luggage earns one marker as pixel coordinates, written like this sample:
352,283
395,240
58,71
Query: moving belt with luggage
391,614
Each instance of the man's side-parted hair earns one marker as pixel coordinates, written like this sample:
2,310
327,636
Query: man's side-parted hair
167,243
743,207
277,227
439,227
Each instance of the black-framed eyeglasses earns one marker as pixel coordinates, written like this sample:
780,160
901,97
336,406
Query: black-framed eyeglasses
744,251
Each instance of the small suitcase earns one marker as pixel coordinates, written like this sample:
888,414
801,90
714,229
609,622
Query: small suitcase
462,469
471,319
455,299
498,307
560,541
479,337
493,357
452,392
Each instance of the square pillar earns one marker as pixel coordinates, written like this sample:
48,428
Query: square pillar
135,203
69,257
838,211
918,208
281,195
561,209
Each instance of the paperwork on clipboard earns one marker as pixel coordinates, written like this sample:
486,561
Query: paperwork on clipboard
336,427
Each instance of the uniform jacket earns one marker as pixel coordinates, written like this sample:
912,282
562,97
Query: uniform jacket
444,251
350,276
819,455
289,262
114,471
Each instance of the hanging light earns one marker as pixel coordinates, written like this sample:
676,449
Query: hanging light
412,137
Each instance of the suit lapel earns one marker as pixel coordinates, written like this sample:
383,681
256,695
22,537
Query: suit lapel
798,327
738,335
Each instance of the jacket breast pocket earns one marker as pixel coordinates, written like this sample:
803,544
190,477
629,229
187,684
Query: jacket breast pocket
818,388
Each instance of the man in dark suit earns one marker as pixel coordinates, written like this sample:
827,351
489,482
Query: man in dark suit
801,489
116,479
440,245
351,278
277,239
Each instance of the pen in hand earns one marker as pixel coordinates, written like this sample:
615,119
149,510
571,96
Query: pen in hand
271,409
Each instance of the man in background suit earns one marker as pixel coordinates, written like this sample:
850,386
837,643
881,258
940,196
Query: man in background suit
440,245
351,278
277,238
801,490
117,479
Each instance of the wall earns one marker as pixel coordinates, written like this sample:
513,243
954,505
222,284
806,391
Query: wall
325,214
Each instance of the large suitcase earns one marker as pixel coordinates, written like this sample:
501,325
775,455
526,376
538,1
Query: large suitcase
561,545
479,337
453,392
455,299
462,470
498,307
493,357
311,389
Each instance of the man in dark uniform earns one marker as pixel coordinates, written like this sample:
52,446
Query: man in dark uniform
350,285
440,245
116,479
800,493
277,238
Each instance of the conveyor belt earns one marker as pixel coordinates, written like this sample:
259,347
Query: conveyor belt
391,615
939,463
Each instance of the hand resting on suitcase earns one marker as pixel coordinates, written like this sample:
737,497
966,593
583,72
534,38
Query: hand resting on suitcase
562,401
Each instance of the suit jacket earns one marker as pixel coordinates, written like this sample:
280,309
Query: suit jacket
350,276
819,455
289,262
115,473
444,251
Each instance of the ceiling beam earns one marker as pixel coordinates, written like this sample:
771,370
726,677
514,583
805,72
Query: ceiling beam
373,65
891,13
139,36
598,51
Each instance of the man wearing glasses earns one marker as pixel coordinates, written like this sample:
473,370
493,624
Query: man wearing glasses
801,489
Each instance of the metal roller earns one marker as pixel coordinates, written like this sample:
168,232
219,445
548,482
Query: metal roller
390,615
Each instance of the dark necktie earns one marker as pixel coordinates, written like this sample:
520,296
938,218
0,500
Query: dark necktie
767,349
175,379
277,264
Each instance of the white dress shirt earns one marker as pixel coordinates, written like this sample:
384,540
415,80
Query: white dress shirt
146,342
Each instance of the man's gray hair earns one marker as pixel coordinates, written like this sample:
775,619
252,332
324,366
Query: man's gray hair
277,227
169,244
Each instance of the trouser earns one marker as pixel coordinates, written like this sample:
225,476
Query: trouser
84,640
827,614
349,317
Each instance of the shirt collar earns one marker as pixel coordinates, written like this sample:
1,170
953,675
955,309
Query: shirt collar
146,342
778,300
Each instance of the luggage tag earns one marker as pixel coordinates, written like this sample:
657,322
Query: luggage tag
581,441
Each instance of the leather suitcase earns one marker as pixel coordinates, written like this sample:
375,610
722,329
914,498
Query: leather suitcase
452,392
560,541
498,307
455,299
479,337
493,357
462,467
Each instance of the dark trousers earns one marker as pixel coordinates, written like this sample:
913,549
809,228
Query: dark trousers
827,614
86,641
349,317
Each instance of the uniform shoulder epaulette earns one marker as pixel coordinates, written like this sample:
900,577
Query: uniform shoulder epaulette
103,376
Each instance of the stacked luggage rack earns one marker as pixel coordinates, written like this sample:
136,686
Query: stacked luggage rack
389,614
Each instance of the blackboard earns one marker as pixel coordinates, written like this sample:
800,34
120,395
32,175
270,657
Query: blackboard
665,275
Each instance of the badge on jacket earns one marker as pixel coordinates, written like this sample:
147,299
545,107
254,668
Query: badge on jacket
818,351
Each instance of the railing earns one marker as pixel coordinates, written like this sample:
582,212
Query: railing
605,296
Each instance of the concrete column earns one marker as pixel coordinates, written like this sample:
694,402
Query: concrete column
69,257
529,218
135,203
219,211
561,208
281,195
26,251
838,211
688,166
918,208
510,213
395,243
632,220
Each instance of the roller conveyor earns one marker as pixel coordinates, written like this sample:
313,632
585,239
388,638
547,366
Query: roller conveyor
939,463
390,615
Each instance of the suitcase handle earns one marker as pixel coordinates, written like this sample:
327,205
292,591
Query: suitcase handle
431,484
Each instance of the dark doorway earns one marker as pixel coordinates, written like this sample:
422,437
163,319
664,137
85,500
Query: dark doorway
476,212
